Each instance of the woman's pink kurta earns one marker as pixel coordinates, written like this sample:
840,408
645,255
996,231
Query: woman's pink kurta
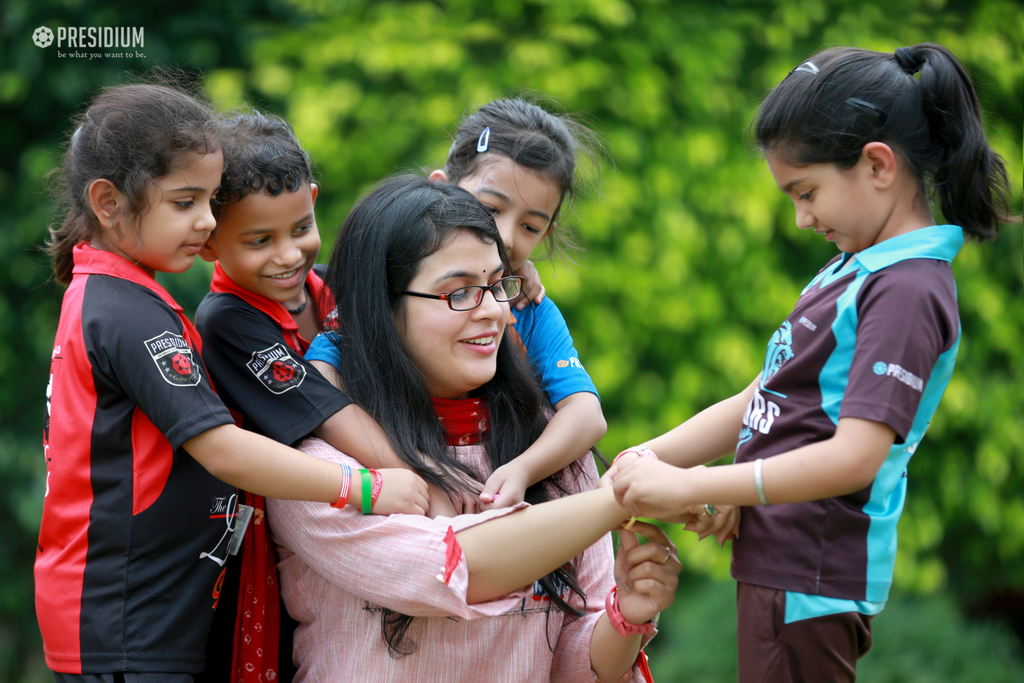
338,568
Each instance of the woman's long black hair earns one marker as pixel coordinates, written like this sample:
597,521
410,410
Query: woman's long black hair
377,253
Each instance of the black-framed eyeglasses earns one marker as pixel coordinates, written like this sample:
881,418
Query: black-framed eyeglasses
468,298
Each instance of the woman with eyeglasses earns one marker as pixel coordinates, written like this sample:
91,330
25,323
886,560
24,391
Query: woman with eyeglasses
525,593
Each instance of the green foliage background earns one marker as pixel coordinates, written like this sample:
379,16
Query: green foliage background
693,256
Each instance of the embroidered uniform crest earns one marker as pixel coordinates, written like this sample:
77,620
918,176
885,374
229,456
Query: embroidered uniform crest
780,351
173,358
277,369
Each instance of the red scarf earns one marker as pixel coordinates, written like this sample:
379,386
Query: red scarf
466,420
255,653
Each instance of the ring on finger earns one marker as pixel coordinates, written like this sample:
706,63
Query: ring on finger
710,510
668,554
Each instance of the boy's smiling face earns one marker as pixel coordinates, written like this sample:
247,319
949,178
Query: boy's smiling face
268,243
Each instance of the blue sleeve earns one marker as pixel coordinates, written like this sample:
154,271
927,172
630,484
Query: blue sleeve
549,347
324,350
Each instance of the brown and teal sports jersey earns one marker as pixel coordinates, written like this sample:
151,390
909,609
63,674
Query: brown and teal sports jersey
874,336
134,530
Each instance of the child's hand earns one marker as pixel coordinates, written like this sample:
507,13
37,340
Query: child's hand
649,487
463,502
440,504
723,525
402,491
444,504
504,488
646,575
533,288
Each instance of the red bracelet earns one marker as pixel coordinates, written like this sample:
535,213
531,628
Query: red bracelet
619,623
378,484
346,483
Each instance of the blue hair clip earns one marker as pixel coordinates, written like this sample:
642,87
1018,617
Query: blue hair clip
807,67
484,141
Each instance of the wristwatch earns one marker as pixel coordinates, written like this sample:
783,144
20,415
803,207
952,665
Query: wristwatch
619,623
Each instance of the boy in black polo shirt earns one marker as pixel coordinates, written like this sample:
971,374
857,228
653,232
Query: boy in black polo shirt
265,304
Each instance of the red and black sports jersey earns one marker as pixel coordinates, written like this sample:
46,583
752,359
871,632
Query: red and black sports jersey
254,353
134,530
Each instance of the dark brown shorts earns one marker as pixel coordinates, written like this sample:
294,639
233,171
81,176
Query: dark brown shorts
807,651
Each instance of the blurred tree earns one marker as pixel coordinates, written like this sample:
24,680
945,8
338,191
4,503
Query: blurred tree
693,257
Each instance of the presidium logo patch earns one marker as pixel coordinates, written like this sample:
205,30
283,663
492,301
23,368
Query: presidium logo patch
173,357
277,369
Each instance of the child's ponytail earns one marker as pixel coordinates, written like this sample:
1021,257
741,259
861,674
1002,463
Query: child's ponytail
970,178
841,99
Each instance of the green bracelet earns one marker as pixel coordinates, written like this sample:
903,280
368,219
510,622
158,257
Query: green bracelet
367,480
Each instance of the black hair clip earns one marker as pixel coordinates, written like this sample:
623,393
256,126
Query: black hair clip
868,108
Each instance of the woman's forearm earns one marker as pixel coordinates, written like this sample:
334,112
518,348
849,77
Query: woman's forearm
611,654
510,552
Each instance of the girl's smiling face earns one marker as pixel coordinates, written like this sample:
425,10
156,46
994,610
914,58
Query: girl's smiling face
455,350
523,201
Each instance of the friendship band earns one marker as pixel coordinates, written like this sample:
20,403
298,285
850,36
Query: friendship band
378,484
365,476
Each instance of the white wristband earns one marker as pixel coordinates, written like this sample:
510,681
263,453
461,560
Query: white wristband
759,483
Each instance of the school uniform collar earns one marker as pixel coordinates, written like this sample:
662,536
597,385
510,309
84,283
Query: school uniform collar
92,261
938,242
222,283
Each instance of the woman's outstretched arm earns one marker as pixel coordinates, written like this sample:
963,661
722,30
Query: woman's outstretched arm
544,536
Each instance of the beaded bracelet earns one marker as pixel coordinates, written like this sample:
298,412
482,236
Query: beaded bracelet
346,481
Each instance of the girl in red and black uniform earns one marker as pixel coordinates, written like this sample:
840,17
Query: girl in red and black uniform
136,525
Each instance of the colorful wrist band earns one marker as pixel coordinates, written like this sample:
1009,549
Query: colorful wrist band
346,481
378,484
642,451
759,483
365,476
